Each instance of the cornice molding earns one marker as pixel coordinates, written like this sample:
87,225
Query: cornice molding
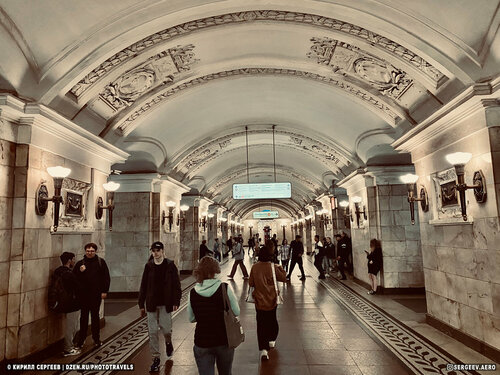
44,128
475,98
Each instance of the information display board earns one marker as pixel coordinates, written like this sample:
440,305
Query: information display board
270,190
266,215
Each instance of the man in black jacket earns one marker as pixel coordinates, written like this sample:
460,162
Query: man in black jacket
204,250
161,293
68,303
342,254
297,250
93,275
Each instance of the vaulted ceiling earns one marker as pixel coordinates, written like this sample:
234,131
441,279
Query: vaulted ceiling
183,85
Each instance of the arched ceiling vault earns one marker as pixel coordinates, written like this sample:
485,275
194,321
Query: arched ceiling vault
175,82
244,208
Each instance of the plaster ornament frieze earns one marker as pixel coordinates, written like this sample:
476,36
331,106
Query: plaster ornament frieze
158,70
390,114
333,158
353,31
347,60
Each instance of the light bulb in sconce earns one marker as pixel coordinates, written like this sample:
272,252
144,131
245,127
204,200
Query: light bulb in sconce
344,204
170,204
204,214
459,158
210,215
409,178
111,186
58,172
184,207
356,199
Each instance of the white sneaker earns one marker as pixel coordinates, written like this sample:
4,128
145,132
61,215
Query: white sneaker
263,354
272,344
72,351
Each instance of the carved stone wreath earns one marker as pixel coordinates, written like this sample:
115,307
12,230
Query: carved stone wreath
142,46
385,110
348,60
157,71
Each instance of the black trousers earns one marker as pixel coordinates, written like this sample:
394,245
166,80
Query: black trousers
267,327
91,307
242,266
341,263
292,266
318,263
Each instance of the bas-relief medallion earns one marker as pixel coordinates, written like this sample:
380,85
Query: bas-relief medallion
158,70
74,214
353,31
348,60
445,193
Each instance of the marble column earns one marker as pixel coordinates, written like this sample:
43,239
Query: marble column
189,244
308,237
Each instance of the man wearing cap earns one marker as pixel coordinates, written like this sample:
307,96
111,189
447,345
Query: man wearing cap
159,295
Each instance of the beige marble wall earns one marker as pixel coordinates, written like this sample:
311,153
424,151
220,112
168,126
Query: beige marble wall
190,240
129,243
33,252
462,260
7,176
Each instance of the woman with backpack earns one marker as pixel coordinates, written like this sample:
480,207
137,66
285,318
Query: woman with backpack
263,277
206,309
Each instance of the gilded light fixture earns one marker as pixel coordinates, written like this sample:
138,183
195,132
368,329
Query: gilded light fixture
410,180
170,206
110,188
357,200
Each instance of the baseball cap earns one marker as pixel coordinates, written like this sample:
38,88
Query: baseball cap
157,245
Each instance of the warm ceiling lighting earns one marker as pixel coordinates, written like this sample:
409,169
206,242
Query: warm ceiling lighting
170,204
459,158
184,207
210,215
58,172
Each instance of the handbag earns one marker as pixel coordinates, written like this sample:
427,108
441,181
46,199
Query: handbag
234,330
279,298
250,298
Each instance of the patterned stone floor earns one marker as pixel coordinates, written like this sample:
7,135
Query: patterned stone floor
326,327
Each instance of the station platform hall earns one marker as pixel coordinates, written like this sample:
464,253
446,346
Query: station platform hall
144,144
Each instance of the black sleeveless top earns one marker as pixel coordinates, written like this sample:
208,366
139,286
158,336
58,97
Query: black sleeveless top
209,313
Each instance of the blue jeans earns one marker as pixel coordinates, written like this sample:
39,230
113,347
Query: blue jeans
207,357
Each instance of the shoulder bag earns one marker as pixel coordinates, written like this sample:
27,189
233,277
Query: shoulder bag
279,299
234,330
250,298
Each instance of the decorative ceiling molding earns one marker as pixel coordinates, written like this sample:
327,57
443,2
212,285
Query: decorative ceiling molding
247,205
386,108
152,141
246,209
348,60
332,156
159,70
353,31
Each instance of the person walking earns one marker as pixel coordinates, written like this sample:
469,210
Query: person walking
347,241
205,308
204,250
374,263
296,250
92,274
266,298
217,252
342,255
251,245
239,257
63,294
318,256
285,254
159,295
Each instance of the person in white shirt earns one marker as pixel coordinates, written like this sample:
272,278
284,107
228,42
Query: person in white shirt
318,256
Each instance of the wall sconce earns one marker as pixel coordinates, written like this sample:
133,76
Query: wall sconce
170,205
459,159
410,179
110,188
222,222
203,221
42,194
345,213
357,200
283,226
210,219
181,216
324,219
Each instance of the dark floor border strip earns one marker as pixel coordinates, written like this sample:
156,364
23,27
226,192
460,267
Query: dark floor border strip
123,295
423,338
50,351
468,340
